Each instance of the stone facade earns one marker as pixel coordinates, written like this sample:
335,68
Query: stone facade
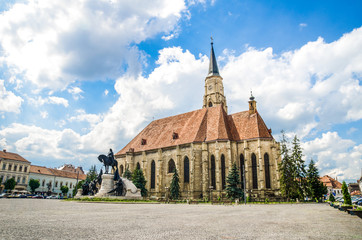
203,145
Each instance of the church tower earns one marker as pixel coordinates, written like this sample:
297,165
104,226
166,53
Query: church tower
214,89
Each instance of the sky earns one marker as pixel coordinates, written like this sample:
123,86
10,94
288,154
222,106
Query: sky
78,77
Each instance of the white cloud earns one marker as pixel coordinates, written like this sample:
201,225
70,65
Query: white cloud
55,43
76,92
9,102
82,116
335,156
44,114
39,101
303,25
106,92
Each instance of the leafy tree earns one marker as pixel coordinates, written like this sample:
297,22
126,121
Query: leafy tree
92,174
33,184
139,181
346,195
64,190
233,189
331,198
175,186
127,174
9,184
315,188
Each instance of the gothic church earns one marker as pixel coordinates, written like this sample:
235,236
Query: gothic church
203,145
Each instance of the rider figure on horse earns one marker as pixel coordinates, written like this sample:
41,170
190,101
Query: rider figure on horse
110,154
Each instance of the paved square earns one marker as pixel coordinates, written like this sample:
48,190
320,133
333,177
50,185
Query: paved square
55,219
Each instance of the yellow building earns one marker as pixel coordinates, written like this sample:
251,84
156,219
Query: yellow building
13,165
203,145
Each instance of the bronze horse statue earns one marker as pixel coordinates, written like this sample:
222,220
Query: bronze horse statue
108,161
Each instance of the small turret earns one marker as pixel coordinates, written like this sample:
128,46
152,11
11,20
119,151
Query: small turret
252,104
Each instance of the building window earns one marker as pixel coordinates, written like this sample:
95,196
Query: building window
4,166
9,168
56,184
121,170
143,141
153,174
242,165
267,170
186,170
171,166
15,167
66,184
71,185
24,178
223,182
43,183
25,169
213,180
210,104
18,180
61,184
21,168
138,166
174,135
254,171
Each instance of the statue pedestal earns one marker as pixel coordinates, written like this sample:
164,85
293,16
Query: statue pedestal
79,193
106,186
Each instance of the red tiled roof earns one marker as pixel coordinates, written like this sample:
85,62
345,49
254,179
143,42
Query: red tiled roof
330,182
56,172
12,156
206,124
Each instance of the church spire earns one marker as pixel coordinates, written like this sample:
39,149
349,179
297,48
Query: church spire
214,89
213,69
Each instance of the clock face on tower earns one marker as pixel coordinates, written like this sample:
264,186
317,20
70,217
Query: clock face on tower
210,87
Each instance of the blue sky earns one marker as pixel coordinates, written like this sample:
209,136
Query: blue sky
79,77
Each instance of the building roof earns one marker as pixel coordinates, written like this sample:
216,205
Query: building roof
203,125
12,156
56,172
330,182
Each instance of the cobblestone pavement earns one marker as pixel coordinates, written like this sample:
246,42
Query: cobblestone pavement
55,219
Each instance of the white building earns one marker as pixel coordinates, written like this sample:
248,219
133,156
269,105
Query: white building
51,180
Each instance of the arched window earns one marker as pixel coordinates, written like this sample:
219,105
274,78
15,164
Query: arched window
210,104
186,170
121,170
242,166
223,182
213,180
267,170
61,184
43,183
138,166
171,166
56,184
71,185
254,171
153,174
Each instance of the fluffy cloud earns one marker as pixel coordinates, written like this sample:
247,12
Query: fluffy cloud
335,156
54,43
310,88
39,101
9,102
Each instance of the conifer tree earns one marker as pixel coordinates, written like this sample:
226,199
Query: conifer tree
233,189
299,174
92,174
139,181
346,195
331,197
175,186
127,174
286,170
315,188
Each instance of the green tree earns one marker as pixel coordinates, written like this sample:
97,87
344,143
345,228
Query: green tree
79,185
64,190
286,169
315,188
346,195
233,189
9,184
127,174
139,181
92,174
331,197
299,174
175,186
33,184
